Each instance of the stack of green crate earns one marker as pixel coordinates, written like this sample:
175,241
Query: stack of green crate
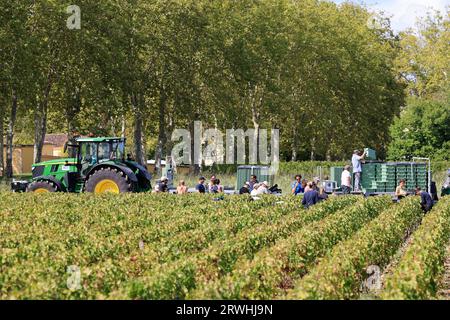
369,177
335,175
391,178
370,154
411,179
402,173
421,176
382,173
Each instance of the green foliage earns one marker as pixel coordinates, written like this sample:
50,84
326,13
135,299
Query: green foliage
339,275
417,275
144,68
221,256
267,274
423,61
423,129
142,246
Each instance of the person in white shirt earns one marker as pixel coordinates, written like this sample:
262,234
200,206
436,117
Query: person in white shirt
264,188
357,168
254,192
346,180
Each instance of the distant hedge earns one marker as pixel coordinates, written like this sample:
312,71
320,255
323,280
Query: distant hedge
309,168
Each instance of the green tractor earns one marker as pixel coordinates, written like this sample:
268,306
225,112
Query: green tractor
99,166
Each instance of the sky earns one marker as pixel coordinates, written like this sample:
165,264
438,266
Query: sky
404,12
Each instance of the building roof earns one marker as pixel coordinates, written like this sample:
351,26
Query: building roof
57,139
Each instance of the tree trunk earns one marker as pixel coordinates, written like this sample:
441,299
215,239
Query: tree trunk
73,108
168,145
328,155
138,129
195,167
10,136
313,148
161,132
124,125
2,146
294,143
256,126
40,119
256,100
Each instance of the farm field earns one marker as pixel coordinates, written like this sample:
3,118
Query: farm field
142,246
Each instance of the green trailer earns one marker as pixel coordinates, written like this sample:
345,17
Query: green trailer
262,173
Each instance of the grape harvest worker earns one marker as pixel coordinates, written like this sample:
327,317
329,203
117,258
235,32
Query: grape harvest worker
200,187
346,180
245,188
212,187
322,194
400,191
219,186
254,191
425,200
264,188
311,197
357,168
253,181
182,189
162,185
297,185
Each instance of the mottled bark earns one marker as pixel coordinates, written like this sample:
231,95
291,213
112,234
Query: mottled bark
40,117
294,143
2,146
162,137
10,136
313,149
139,150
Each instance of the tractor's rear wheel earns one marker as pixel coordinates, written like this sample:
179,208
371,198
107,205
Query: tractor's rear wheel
42,187
108,180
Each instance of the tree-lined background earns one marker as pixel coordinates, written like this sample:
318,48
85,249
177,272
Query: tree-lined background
331,77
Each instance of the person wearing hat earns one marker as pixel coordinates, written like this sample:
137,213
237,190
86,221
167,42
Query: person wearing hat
357,168
346,180
162,185
200,187
245,188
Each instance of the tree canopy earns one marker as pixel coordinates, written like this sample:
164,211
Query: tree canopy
319,72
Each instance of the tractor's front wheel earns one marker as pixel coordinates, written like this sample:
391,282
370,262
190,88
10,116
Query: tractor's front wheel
108,180
42,187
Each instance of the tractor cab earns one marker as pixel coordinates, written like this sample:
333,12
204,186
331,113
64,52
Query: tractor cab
96,165
94,151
